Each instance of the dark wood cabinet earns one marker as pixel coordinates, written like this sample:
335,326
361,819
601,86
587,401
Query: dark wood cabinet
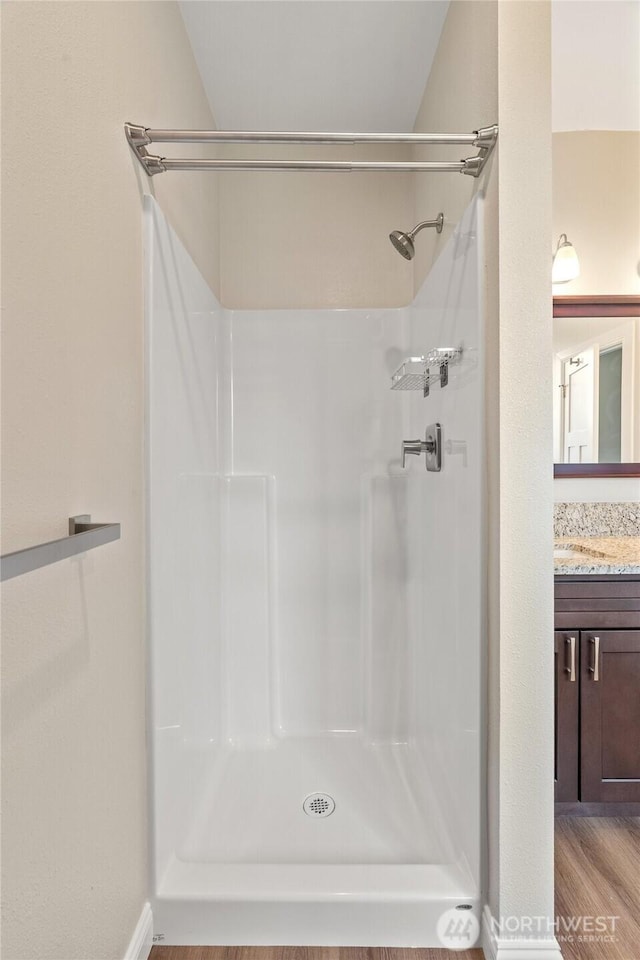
610,716
567,717
597,695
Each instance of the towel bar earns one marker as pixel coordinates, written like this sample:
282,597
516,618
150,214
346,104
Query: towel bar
83,536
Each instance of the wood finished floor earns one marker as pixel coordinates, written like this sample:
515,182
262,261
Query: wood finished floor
597,874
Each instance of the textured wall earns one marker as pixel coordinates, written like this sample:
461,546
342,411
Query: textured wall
315,239
522,753
599,212
493,64
73,750
461,96
597,489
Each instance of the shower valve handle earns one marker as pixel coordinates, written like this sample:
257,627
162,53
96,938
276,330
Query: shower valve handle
431,446
414,447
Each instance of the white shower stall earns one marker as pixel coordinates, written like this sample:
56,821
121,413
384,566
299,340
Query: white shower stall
316,612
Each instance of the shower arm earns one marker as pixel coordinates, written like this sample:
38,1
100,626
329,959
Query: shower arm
437,223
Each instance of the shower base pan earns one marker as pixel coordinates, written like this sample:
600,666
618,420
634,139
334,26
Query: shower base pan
267,861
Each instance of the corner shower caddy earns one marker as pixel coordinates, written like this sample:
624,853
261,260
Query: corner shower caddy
414,373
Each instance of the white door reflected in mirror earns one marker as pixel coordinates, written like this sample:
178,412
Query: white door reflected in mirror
596,365
579,422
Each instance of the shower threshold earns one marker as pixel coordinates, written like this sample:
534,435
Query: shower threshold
308,904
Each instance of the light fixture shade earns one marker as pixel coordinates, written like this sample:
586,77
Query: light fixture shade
566,265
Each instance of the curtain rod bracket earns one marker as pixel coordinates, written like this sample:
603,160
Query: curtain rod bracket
151,163
136,135
486,137
472,166
138,139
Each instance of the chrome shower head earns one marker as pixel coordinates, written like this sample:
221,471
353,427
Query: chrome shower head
403,242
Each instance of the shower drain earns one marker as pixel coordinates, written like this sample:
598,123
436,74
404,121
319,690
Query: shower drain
319,805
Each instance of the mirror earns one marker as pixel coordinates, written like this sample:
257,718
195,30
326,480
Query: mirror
596,377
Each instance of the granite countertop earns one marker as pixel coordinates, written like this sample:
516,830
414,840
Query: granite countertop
604,555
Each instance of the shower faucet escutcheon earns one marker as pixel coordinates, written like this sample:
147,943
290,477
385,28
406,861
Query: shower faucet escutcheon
431,446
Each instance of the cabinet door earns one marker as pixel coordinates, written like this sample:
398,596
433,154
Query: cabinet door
610,715
566,715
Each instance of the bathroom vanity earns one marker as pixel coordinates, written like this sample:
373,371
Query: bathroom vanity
597,676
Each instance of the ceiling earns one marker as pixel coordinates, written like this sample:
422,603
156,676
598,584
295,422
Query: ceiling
313,64
363,65
596,64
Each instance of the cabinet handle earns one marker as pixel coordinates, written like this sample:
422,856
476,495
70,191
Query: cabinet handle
595,669
571,658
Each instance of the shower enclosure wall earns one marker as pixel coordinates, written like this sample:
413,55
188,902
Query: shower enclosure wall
315,613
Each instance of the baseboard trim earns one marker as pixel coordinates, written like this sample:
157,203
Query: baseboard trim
488,940
142,940
501,948
578,809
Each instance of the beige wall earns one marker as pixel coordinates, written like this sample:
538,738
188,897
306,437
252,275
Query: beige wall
522,751
461,96
294,241
73,750
493,64
315,239
596,202
75,852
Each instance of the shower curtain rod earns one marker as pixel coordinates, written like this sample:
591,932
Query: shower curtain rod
149,135
140,137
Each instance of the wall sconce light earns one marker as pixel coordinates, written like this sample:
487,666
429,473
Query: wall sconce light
566,265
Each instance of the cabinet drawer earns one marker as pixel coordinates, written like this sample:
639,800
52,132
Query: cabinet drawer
585,590
608,603
597,604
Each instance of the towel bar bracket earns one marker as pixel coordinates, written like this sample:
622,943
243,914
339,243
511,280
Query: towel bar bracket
82,523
